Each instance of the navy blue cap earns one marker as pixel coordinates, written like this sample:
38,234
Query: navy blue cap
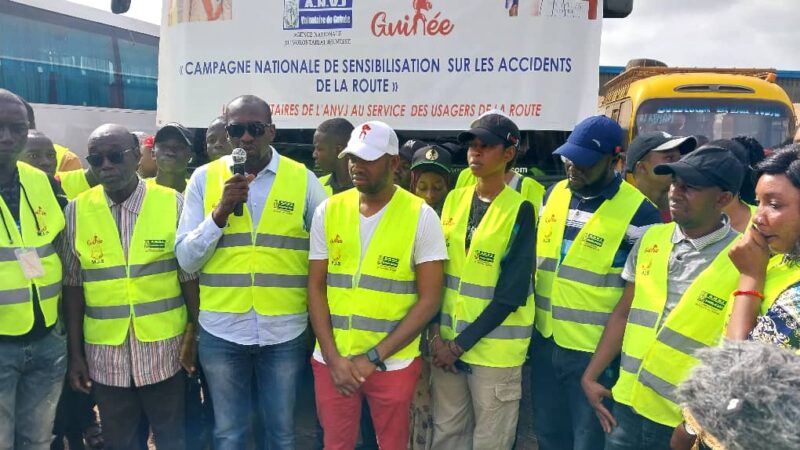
591,140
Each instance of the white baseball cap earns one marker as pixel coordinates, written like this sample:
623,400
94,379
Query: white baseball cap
371,140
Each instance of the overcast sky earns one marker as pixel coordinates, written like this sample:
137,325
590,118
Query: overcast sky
720,33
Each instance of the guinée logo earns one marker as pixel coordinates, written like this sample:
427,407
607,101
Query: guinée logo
382,25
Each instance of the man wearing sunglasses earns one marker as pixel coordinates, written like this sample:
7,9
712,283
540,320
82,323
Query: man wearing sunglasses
253,270
32,348
126,299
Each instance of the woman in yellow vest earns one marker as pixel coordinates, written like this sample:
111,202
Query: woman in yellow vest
679,278
484,329
767,300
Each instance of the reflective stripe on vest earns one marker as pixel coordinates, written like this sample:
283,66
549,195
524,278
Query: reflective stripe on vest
574,298
470,279
73,182
142,288
265,269
369,296
655,360
16,291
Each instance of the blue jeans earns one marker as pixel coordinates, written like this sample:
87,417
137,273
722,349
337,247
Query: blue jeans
562,417
229,370
31,377
634,432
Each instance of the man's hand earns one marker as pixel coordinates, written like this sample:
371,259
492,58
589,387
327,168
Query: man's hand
78,374
595,393
234,193
346,376
751,254
445,354
364,367
188,356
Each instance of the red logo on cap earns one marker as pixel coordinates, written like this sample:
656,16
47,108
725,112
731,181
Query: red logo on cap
364,130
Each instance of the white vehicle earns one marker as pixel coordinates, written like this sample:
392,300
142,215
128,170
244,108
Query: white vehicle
79,67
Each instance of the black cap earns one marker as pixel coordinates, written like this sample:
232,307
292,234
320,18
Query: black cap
434,157
173,129
707,166
410,147
492,129
656,141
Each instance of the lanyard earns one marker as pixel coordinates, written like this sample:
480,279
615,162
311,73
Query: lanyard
30,208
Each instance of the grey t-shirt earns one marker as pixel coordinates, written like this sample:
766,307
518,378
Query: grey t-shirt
688,259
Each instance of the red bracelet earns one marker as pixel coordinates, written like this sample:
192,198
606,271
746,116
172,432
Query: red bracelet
750,293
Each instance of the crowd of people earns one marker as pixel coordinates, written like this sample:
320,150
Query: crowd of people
178,307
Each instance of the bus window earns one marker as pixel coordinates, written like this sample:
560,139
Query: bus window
55,63
139,69
769,122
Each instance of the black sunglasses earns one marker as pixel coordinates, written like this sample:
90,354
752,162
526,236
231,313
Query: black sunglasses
255,129
113,157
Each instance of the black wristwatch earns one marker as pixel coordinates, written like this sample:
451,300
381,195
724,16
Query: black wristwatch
375,358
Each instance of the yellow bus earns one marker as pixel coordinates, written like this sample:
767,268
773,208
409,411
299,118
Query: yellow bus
706,103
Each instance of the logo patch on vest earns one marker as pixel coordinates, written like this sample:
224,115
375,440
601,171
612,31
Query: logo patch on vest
484,258
388,263
652,249
711,302
155,245
95,249
40,217
644,268
283,206
593,241
335,251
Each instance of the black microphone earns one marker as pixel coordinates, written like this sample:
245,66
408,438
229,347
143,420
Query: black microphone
239,158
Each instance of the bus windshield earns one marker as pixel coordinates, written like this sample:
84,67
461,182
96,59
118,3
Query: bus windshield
769,122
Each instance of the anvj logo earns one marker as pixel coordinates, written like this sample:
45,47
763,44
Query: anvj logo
317,14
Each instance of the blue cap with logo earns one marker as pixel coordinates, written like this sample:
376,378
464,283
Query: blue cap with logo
591,140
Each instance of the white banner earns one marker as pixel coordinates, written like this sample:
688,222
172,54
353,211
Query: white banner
415,64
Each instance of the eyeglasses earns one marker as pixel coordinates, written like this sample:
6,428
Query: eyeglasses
255,129
96,160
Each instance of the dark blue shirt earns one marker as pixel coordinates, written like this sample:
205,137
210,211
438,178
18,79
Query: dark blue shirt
582,209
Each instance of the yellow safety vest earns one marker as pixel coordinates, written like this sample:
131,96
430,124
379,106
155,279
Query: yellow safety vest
531,190
324,182
780,276
369,296
266,270
655,360
73,182
575,297
471,278
143,287
40,222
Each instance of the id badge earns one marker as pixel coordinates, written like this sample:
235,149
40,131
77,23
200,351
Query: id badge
29,262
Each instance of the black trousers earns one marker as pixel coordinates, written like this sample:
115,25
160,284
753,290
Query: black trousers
162,404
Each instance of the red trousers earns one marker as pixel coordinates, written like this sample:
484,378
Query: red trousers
389,395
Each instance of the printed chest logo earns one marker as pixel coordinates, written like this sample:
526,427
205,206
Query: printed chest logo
389,263
283,206
644,268
593,241
484,258
547,231
335,251
95,249
155,245
447,226
41,216
711,302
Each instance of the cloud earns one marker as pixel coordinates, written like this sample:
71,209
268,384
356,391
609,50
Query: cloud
721,33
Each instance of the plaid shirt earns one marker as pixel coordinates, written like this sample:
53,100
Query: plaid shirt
134,361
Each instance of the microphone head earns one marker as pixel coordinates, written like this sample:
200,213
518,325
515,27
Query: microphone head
239,156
